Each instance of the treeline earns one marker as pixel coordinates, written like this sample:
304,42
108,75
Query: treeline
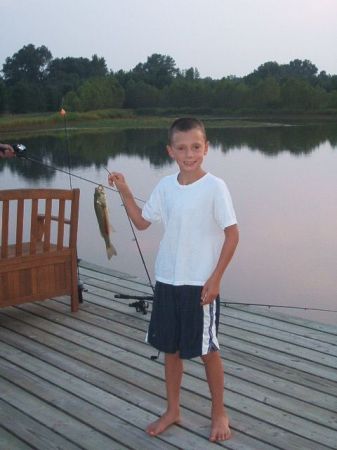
33,81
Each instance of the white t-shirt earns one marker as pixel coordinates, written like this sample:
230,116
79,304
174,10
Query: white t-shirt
194,218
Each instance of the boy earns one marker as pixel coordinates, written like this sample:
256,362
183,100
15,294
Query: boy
199,241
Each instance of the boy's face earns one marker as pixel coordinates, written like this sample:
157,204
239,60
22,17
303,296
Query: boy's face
188,149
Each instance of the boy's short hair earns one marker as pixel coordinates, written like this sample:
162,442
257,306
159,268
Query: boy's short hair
185,124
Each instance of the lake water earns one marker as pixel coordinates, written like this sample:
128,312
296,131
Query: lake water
283,182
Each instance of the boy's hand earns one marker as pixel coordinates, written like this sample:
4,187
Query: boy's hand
6,151
210,291
117,179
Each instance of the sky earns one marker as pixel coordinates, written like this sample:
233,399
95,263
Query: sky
218,37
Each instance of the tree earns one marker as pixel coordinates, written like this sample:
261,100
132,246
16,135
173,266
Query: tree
332,100
301,69
266,93
27,65
268,69
295,69
67,74
141,95
300,95
76,69
26,97
158,71
96,93
2,96
190,74
182,92
230,94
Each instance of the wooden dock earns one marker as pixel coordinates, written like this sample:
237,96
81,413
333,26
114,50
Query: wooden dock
86,381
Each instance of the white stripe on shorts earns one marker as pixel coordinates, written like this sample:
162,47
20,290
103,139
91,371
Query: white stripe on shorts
209,338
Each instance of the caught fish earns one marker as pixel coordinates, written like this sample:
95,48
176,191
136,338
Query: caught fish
102,214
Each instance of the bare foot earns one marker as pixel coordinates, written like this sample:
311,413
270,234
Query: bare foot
220,429
162,423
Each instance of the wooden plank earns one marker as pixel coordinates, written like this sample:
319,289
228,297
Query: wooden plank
102,417
107,274
240,386
82,435
74,218
287,373
112,272
326,328
47,224
287,337
268,331
115,288
14,194
274,323
4,229
113,341
307,325
23,430
10,442
60,224
262,411
34,227
86,391
37,403
253,356
19,227
110,282
269,349
110,322
97,368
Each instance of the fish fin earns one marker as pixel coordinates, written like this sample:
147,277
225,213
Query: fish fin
110,251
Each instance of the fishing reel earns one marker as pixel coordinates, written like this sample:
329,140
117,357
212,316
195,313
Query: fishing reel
19,149
141,304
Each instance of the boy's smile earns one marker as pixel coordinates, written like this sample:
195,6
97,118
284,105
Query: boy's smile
188,149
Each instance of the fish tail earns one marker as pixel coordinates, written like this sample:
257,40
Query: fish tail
110,251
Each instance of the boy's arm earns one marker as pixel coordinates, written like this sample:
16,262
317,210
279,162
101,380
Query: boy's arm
133,210
211,288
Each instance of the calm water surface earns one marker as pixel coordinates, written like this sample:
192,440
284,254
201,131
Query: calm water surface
283,181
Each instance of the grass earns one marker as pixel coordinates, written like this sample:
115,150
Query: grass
102,120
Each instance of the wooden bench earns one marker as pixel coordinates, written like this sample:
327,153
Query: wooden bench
38,255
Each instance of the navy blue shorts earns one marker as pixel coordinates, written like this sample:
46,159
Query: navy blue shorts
180,323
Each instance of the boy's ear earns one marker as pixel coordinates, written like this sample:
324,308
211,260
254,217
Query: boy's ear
206,148
170,151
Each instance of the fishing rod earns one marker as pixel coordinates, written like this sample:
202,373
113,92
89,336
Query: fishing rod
232,303
21,150
303,308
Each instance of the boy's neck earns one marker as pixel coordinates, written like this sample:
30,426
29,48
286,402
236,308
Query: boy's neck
189,178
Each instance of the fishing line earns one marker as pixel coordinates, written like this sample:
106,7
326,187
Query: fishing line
134,235
49,166
64,114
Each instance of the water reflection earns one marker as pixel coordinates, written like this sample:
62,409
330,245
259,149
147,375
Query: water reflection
283,182
89,149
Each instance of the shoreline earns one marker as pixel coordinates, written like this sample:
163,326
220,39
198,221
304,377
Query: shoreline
106,120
